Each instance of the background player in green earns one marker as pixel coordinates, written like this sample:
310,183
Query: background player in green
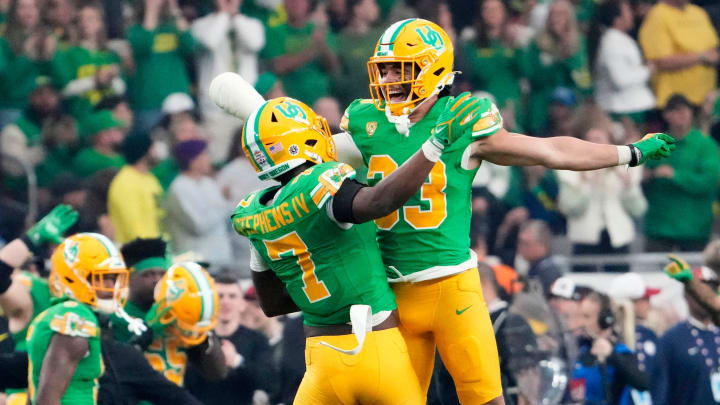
425,245
321,263
147,261
89,275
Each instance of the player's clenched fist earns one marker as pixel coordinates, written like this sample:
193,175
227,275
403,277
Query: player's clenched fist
678,269
652,146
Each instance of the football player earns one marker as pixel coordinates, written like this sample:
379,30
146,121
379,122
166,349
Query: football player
63,342
307,255
425,244
148,263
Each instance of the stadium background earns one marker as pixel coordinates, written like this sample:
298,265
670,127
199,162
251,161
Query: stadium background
86,87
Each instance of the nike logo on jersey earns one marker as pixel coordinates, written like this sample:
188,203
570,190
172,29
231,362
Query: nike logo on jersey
458,312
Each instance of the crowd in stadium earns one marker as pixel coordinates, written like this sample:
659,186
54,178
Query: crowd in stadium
104,107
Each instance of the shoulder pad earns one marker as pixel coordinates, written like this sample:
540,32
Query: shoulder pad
357,106
489,122
73,319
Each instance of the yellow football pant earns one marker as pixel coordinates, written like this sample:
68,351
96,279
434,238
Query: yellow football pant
381,374
450,312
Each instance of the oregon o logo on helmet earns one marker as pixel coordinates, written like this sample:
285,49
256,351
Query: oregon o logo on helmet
431,37
292,111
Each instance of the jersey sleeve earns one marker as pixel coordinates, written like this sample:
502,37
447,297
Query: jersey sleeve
73,319
329,181
490,120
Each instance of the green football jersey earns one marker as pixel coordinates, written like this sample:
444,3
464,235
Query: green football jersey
326,266
429,236
40,295
164,354
69,318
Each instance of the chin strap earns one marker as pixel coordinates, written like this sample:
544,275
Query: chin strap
402,122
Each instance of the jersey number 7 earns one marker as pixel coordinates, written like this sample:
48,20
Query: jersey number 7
314,289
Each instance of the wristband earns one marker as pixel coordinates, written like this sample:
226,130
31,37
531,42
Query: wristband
431,150
624,155
636,155
32,247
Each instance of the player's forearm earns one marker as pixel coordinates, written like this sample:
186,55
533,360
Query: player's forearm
704,294
568,153
15,253
393,191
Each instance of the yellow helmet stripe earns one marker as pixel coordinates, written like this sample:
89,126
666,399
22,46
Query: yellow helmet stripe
110,247
205,292
387,40
251,138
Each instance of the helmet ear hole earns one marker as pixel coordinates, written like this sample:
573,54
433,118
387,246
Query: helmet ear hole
273,118
439,71
311,142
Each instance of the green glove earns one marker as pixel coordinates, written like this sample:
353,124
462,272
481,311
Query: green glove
154,316
652,146
678,269
459,115
52,226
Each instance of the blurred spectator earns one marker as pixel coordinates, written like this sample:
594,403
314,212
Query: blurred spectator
61,140
533,247
355,43
685,182
160,43
329,108
178,124
630,288
606,369
120,109
492,55
134,196
94,216
88,71
23,138
197,210
269,86
247,353
301,52
231,42
600,205
686,367
236,179
565,298
616,63
60,15
105,135
25,50
679,40
556,58
560,113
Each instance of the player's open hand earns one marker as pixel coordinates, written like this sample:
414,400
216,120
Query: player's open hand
678,269
52,226
459,115
653,146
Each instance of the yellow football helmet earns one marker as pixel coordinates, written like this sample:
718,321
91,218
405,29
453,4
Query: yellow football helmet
190,292
426,49
82,268
283,134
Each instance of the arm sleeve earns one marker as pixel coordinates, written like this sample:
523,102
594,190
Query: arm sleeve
211,30
627,371
257,263
347,151
341,210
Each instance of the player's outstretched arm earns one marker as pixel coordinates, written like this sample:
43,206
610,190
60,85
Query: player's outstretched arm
15,299
58,367
567,153
358,204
